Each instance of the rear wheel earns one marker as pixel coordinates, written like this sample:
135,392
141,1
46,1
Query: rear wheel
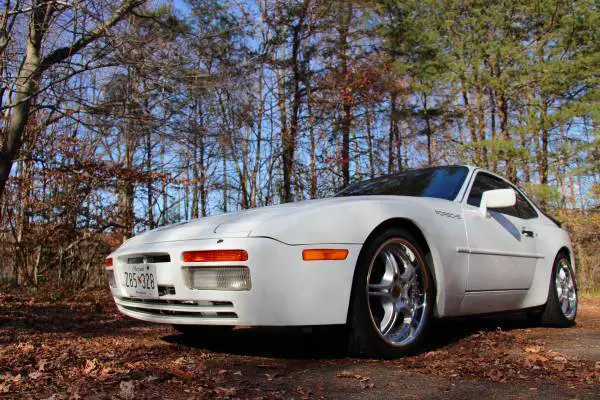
561,307
393,297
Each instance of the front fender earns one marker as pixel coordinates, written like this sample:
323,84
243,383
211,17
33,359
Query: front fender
352,222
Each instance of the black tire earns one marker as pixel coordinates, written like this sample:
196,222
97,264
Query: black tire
203,330
365,337
552,313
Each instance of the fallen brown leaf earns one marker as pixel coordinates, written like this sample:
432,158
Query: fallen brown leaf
41,365
533,349
92,366
35,375
25,347
270,377
537,358
180,373
225,392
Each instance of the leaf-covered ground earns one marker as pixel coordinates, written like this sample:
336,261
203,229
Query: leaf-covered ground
81,347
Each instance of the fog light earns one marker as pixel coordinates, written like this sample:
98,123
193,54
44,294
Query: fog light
110,274
224,278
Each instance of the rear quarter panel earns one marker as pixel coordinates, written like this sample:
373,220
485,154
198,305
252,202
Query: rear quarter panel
550,240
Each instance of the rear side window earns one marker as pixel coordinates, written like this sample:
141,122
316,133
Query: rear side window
525,210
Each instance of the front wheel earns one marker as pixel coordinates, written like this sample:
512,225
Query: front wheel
393,297
561,306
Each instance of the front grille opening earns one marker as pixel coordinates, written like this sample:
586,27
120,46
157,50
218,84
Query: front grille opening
190,303
222,304
199,315
164,290
150,259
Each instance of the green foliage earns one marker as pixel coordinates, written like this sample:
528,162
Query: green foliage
544,194
523,74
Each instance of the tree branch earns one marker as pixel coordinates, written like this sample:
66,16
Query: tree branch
63,53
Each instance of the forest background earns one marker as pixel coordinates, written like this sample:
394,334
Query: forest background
118,117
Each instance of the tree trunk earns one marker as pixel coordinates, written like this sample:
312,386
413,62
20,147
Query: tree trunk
165,197
524,145
511,172
128,191
202,167
429,131
313,144
25,87
392,133
254,179
243,172
289,136
286,190
346,93
150,194
471,126
399,143
544,156
195,172
493,158
225,183
370,142
481,137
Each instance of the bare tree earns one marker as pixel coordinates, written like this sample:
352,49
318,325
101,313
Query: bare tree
42,14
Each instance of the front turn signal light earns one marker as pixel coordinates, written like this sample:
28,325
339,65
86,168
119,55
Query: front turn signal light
324,254
215,255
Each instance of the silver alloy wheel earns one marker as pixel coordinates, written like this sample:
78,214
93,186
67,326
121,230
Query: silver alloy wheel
397,292
565,290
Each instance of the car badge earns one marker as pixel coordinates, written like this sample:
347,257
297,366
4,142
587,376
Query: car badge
145,260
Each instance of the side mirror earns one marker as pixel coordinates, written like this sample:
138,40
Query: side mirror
498,198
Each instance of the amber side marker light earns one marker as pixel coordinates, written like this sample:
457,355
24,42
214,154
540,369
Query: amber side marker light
324,254
215,255
108,262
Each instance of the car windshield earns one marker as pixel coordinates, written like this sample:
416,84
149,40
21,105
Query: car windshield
438,182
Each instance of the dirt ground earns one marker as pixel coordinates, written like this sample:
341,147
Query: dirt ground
83,348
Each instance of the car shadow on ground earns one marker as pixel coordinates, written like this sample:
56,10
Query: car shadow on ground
331,343
287,343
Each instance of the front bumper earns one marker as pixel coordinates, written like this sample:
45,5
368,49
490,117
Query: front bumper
285,291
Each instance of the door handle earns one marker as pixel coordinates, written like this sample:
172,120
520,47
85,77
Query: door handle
527,232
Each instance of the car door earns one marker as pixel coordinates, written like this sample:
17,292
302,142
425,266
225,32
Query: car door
501,245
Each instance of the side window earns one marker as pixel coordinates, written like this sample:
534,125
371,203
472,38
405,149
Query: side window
525,210
484,182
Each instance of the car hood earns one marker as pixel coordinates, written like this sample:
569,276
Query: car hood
332,220
236,224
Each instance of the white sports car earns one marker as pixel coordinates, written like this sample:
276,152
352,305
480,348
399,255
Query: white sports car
383,257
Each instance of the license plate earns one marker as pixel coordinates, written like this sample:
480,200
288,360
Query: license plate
139,280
